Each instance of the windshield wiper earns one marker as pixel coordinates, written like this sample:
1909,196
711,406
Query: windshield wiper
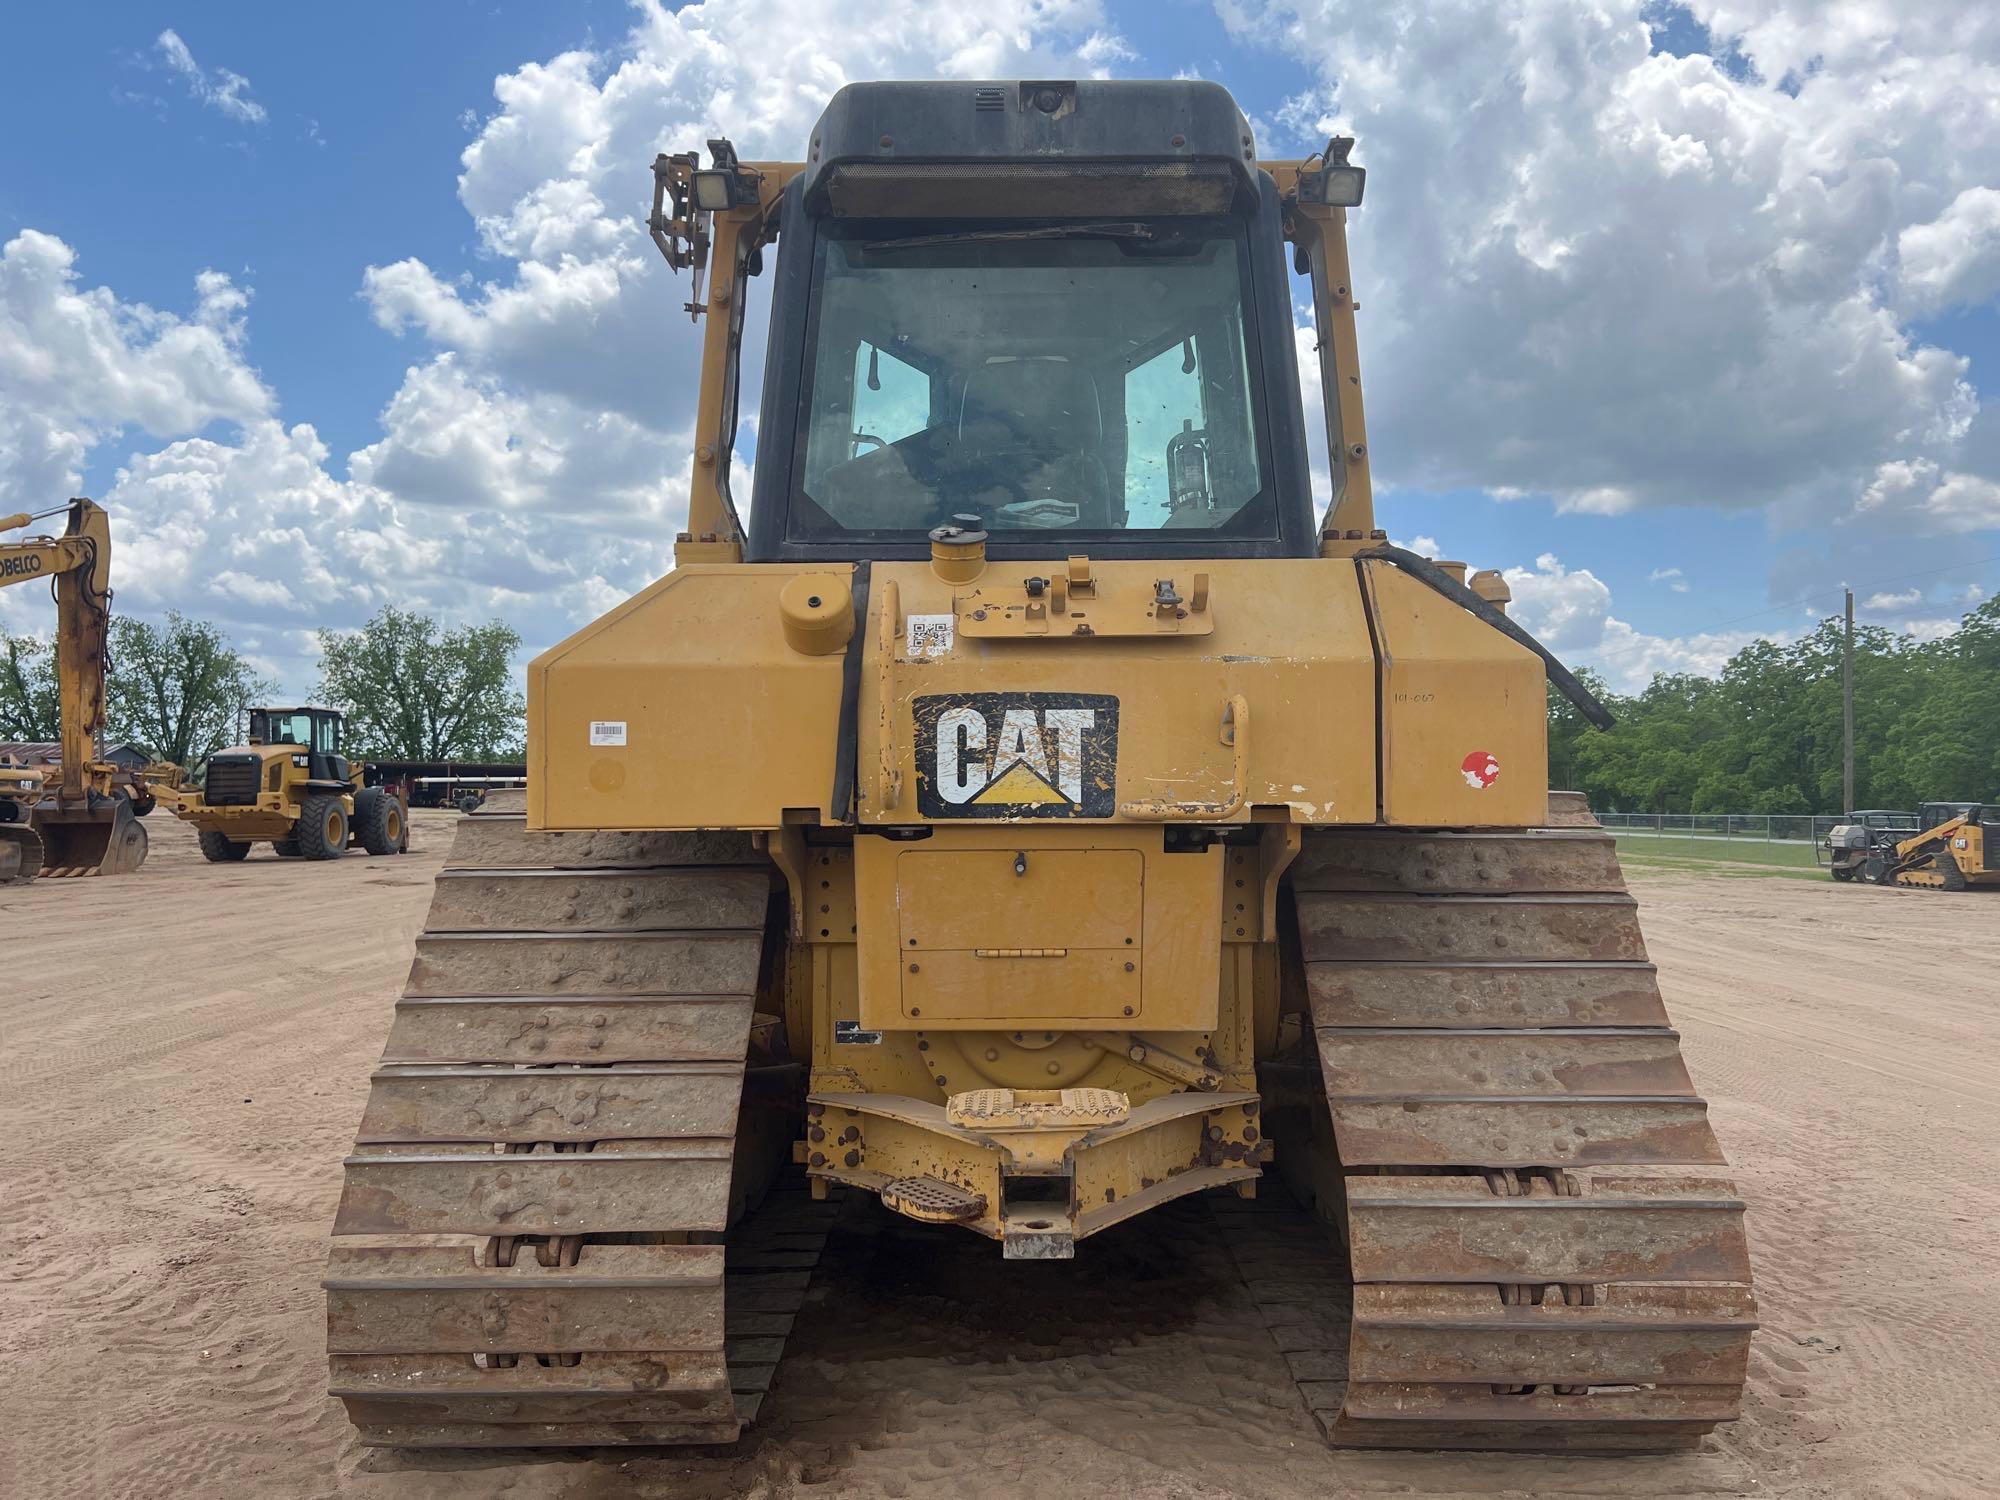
1109,231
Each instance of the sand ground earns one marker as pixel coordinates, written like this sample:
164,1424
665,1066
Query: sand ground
184,1055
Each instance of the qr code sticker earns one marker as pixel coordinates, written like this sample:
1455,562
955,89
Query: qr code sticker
927,635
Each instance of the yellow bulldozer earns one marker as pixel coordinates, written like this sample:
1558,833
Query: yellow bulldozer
289,786
73,821
1030,818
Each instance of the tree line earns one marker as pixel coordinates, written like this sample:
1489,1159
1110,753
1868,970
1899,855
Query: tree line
1765,736
409,688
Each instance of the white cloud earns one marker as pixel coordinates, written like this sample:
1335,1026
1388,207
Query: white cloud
1919,493
78,366
1893,601
1931,629
1671,577
1619,278
1569,611
222,90
1955,258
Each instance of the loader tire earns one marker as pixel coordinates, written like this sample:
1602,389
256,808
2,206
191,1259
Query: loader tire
218,848
378,820
321,831
285,848
567,1120
1545,1253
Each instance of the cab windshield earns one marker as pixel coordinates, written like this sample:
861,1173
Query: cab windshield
1088,379
287,726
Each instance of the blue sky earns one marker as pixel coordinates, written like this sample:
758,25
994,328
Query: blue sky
1679,325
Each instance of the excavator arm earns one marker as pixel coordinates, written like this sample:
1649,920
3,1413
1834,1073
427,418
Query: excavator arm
81,826
79,561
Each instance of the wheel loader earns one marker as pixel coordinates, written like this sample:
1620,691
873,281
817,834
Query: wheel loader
75,821
1030,817
290,786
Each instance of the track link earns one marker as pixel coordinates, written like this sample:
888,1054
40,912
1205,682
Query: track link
20,854
529,1245
1535,1265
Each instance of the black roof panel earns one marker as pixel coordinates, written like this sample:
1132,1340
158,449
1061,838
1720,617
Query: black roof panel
1125,122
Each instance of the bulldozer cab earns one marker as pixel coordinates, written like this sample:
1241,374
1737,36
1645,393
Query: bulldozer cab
1068,360
313,730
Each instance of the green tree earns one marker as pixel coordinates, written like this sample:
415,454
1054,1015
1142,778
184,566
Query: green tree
1765,736
1567,731
412,690
177,688
29,707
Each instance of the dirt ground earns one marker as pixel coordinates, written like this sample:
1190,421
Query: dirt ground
184,1055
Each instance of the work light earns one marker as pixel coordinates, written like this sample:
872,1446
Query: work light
1337,182
714,191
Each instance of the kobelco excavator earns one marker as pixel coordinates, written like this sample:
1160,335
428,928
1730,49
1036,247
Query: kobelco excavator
1033,817
78,825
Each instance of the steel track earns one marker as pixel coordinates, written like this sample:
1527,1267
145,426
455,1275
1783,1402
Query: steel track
537,1241
1543,1254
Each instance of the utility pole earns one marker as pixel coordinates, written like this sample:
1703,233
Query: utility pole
1847,713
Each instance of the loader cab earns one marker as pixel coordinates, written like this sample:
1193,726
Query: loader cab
1060,310
1932,814
316,731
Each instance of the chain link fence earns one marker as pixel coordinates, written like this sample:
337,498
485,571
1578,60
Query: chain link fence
1768,828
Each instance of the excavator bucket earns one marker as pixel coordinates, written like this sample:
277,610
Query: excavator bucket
100,839
20,852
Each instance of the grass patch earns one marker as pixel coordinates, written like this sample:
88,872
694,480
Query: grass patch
1717,869
1715,850
1735,859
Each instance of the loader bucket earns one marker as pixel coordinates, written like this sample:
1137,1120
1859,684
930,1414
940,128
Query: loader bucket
100,839
20,852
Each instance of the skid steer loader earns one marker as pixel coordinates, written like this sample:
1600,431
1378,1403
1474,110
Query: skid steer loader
1943,846
1033,818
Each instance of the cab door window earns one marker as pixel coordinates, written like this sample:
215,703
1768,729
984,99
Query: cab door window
892,399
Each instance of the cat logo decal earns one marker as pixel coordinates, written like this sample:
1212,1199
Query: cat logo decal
1017,755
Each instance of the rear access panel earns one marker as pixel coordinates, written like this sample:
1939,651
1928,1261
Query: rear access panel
986,929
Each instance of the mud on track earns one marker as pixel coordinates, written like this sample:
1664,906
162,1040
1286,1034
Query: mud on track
183,1057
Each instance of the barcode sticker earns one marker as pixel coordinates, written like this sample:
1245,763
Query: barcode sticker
927,635
607,731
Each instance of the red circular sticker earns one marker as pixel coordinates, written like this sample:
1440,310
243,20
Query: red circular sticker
1480,770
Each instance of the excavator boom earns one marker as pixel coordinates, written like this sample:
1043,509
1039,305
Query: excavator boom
78,825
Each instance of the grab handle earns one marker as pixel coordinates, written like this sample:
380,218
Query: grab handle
1236,734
